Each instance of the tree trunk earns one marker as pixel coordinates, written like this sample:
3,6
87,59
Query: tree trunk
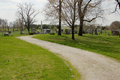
28,31
118,3
13,29
8,29
73,38
81,28
96,32
28,27
59,32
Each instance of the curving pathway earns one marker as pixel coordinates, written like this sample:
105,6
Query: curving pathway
90,65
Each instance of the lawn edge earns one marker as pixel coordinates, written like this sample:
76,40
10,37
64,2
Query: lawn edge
76,75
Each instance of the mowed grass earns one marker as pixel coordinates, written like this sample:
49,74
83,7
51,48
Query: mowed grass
102,44
20,60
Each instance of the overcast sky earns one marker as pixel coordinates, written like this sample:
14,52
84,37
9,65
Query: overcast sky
8,9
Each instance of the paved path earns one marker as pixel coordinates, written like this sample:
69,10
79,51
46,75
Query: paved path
90,65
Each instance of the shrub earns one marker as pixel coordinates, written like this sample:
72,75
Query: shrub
52,33
31,33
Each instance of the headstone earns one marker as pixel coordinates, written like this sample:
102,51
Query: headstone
33,30
22,32
67,31
101,31
47,31
61,30
86,32
91,31
9,32
6,34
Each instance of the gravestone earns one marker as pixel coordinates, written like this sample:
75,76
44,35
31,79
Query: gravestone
61,31
22,32
67,31
101,31
6,34
47,31
33,30
85,31
9,32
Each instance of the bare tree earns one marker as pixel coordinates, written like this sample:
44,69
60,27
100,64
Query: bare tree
88,11
19,24
27,14
69,14
60,10
53,10
118,3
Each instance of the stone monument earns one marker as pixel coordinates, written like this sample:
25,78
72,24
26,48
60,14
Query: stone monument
42,31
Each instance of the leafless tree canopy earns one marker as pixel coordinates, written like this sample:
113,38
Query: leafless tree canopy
89,10
85,10
3,24
27,14
53,11
69,13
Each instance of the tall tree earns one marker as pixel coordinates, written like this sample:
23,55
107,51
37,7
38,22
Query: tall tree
69,14
88,10
60,10
53,11
27,14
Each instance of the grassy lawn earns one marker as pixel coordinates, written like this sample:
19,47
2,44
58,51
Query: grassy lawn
20,60
102,44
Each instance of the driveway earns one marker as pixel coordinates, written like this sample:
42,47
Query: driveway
90,65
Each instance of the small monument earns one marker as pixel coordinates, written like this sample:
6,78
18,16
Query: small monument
42,30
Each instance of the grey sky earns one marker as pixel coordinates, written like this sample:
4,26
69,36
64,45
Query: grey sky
8,9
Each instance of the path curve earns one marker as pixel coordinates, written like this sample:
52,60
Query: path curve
91,66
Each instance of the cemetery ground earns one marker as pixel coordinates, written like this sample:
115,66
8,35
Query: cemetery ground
102,44
22,60
90,65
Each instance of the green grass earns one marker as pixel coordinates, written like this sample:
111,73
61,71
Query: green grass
15,33
20,60
102,44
